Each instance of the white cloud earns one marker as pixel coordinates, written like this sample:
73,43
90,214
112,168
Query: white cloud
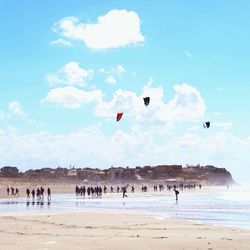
110,80
188,54
186,105
72,97
118,28
116,70
102,70
119,69
16,109
113,73
122,101
70,74
136,147
62,42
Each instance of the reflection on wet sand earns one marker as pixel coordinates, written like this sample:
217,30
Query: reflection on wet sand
38,203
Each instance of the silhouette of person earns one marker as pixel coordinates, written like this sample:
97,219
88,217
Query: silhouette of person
176,194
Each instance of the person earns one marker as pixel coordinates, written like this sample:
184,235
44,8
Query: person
38,193
77,190
8,191
105,189
28,193
132,189
176,194
41,191
124,192
17,192
49,193
33,194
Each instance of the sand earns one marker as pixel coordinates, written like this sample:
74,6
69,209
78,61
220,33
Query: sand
113,230
56,187
107,230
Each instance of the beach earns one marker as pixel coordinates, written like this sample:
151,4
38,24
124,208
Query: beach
209,218
109,230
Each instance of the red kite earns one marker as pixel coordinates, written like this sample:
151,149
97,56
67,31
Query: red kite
119,116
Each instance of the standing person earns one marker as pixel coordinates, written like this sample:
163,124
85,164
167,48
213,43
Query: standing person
77,190
84,190
132,189
38,193
28,193
42,192
33,194
105,189
8,191
12,191
17,192
176,194
49,193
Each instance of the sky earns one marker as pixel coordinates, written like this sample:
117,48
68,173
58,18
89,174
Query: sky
68,67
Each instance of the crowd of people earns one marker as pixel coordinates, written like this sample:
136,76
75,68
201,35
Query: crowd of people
38,193
98,191
12,191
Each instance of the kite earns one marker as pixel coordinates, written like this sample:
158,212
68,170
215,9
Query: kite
146,100
206,124
119,116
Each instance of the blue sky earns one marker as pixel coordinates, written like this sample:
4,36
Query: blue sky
68,67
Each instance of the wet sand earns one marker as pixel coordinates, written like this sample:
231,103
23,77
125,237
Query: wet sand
113,230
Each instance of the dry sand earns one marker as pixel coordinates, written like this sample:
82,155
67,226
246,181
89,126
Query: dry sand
113,230
56,187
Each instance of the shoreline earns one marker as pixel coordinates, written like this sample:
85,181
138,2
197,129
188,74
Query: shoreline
68,202
113,230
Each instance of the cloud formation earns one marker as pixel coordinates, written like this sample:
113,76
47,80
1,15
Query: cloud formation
117,28
72,97
110,80
61,42
135,147
16,109
186,105
113,73
70,74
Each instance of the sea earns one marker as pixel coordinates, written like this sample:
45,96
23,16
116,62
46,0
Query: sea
211,205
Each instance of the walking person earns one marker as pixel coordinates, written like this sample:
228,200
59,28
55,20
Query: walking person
124,191
176,194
